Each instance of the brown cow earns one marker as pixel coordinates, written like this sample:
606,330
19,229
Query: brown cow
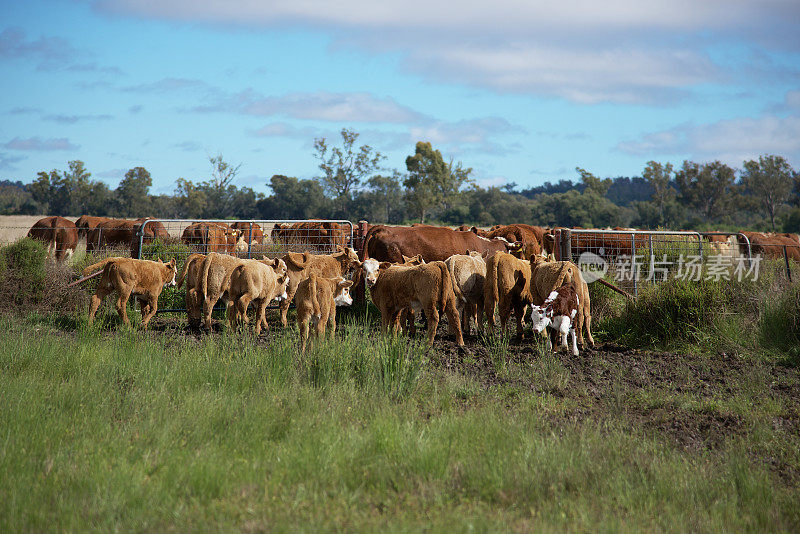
301,266
213,282
771,245
469,274
127,276
507,286
60,234
530,236
87,222
427,287
213,237
433,243
258,281
191,274
122,232
547,276
250,232
325,235
316,300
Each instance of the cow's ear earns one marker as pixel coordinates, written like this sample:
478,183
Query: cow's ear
385,265
345,283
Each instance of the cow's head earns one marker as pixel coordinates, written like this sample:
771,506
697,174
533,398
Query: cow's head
371,268
342,296
277,264
172,269
348,257
541,318
280,289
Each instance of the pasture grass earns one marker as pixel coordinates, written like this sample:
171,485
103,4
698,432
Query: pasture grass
131,430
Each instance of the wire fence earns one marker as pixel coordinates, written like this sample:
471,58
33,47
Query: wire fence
633,259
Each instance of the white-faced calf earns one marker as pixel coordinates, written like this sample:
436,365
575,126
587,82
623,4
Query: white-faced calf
557,312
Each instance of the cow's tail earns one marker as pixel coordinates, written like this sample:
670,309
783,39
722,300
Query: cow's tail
185,271
312,288
367,241
204,276
446,288
97,266
456,290
490,291
564,276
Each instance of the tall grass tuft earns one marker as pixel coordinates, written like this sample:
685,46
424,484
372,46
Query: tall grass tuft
671,311
780,322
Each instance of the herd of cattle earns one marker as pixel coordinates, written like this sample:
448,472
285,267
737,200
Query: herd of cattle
464,273
62,235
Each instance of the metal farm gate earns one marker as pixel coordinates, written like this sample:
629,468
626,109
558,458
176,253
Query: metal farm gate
633,259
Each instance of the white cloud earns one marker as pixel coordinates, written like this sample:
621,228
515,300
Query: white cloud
321,105
585,51
731,141
39,144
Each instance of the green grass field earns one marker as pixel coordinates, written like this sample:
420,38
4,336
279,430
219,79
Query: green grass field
132,431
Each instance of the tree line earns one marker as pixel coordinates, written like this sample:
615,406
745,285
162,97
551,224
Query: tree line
763,195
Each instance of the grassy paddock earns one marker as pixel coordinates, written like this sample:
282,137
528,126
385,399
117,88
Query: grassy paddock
144,431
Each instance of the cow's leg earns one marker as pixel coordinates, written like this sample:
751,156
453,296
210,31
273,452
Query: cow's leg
453,320
208,308
574,341
261,315
303,324
394,320
332,322
192,307
432,315
97,299
519,313
464,311
505,312
587,321
284,307
479,318
122,304
488,309
579,322
408,322
152,308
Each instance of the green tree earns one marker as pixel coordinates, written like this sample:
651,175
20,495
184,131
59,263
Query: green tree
770,180
133,193
593,183
219,189
344,168
68,192
190,199
659,177
294,199
432,183
387,195
707,188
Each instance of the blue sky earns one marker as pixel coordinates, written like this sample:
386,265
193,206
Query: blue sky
520,91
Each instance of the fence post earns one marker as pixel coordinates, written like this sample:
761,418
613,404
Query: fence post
786,260
566,245
557,244
250,242
361,235
634,272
